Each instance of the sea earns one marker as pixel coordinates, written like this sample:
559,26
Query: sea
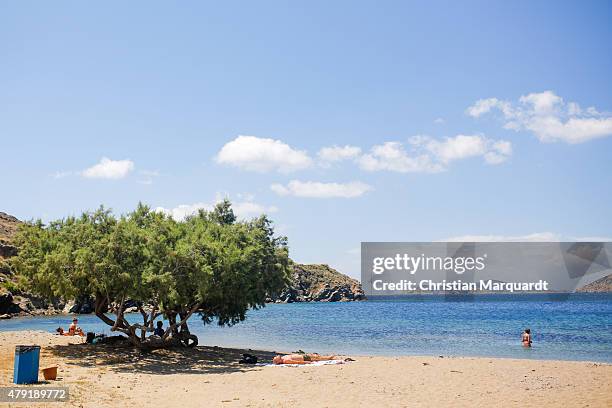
563,327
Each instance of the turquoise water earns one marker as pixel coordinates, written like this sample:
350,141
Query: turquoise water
579,328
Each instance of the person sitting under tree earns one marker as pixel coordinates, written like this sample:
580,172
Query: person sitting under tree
159,330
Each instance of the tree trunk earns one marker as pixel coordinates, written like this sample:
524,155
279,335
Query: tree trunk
177,333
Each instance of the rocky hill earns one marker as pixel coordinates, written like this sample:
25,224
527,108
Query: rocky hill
319,283
8,228
600,285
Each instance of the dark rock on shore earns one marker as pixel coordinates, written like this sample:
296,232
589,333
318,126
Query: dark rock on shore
7,305
80,306
6,250
27,305
319,283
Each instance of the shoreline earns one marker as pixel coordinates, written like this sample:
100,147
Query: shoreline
527,354
104,376
407,296
271,351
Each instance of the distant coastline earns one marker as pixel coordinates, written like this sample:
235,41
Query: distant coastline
603,285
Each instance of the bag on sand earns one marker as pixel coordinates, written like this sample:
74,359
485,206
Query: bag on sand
248,359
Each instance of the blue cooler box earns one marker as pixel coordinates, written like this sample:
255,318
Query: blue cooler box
26,364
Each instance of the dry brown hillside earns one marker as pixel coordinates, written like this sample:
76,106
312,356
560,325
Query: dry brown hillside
8,227
600,285
320,283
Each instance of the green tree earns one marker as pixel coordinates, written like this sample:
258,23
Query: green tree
223,213
211,265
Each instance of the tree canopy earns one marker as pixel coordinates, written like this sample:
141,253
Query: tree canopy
210,264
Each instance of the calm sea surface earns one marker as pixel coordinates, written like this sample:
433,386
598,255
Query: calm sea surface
578,328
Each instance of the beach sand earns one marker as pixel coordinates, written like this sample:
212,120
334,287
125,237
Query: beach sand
102,376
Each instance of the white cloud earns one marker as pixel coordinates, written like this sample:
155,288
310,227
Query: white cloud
439,121
499,152
262,155
392,156
483,106
466,146
544,103
431,155
534,237
109,169
248,209
502,147
422,154
338,153
458,147
180,212
313,189
494,158
548,117
242,209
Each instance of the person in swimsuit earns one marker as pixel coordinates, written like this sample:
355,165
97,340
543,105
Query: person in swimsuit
526,338
300,358
73,329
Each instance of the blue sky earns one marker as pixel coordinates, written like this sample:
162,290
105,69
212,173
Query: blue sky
441,120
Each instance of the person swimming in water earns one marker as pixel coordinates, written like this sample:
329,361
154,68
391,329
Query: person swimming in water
300,358
526,338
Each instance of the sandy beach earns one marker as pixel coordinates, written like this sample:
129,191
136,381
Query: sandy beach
102,376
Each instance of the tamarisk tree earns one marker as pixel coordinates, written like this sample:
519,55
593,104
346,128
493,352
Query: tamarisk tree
210,265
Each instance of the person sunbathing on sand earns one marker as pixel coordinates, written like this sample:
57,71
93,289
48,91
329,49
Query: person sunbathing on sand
62,332
73,329
300,358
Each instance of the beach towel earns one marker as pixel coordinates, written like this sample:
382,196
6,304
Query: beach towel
314,363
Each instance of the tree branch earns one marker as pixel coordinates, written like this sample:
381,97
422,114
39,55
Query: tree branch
154,315
119,313
184,320
101,302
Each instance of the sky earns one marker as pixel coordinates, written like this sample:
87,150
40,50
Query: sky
344,121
